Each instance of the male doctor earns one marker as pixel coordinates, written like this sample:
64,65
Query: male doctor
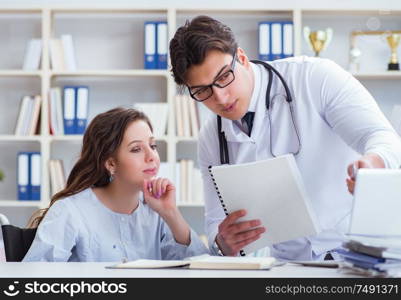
331,125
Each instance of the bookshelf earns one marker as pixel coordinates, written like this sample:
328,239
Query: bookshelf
109,50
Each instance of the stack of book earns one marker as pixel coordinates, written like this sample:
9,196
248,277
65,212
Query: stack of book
190,116
57,175
62,54
372,256
157,113
29,116
187,180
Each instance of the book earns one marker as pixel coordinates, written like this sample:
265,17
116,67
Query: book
33,55
162,45
69,109
56,112
57,177
374,246
276,195
178,116
35,177
57,55
23,174
202,262
23,116
29,116
150,39
194,118
186,125
264,41
68,52
35,117
81,106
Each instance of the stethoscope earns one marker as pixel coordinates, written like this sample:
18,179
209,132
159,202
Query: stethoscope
224,157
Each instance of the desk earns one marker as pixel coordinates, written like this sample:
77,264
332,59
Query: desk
98,270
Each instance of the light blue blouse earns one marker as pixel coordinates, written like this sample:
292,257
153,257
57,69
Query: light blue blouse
81,228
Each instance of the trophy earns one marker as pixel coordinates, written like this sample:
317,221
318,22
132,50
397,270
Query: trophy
318,40
393,40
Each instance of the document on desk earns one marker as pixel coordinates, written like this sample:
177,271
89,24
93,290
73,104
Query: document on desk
202,262
270,190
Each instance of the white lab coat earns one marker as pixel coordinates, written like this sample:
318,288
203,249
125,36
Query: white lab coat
338,120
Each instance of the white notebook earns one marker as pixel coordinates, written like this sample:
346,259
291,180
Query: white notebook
202,262
272,191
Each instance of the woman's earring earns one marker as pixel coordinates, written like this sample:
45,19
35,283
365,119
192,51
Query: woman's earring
111,178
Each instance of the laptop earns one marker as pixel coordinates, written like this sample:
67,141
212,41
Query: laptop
376,208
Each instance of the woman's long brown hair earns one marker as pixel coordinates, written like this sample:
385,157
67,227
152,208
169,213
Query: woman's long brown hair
100,142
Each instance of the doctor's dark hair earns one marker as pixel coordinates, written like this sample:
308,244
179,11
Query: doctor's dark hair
193,41
101,141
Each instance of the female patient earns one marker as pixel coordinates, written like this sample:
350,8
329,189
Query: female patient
113,207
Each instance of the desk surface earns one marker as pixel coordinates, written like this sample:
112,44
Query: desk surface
98,270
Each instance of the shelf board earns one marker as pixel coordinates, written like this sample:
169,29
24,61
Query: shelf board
20,138
70,138
378,75
19,203
19,73
78,138
186,139
113,73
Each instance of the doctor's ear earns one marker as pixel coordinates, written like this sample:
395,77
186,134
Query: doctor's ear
241,57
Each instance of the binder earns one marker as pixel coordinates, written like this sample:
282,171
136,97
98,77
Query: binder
69,109
264,41
276,40
81,104
276,196
35,175
23,176
162,45
150,45
288,39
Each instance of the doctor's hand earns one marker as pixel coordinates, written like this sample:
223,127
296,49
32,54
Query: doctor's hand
369,160
233,236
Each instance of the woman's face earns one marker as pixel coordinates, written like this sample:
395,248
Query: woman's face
137,157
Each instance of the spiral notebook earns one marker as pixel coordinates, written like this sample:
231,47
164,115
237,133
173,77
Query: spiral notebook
271,191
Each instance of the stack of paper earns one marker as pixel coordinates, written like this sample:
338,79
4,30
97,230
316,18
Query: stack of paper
375,256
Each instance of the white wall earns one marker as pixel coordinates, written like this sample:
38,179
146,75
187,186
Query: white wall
285,4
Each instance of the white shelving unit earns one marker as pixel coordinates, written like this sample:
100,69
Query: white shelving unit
109,50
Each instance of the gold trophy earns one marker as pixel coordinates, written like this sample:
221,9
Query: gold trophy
318,40
393,41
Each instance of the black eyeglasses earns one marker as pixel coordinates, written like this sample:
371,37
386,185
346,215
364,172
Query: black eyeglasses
202,93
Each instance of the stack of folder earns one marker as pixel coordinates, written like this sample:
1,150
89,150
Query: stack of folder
375,256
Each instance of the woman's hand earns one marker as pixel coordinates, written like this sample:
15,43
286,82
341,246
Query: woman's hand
159,194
